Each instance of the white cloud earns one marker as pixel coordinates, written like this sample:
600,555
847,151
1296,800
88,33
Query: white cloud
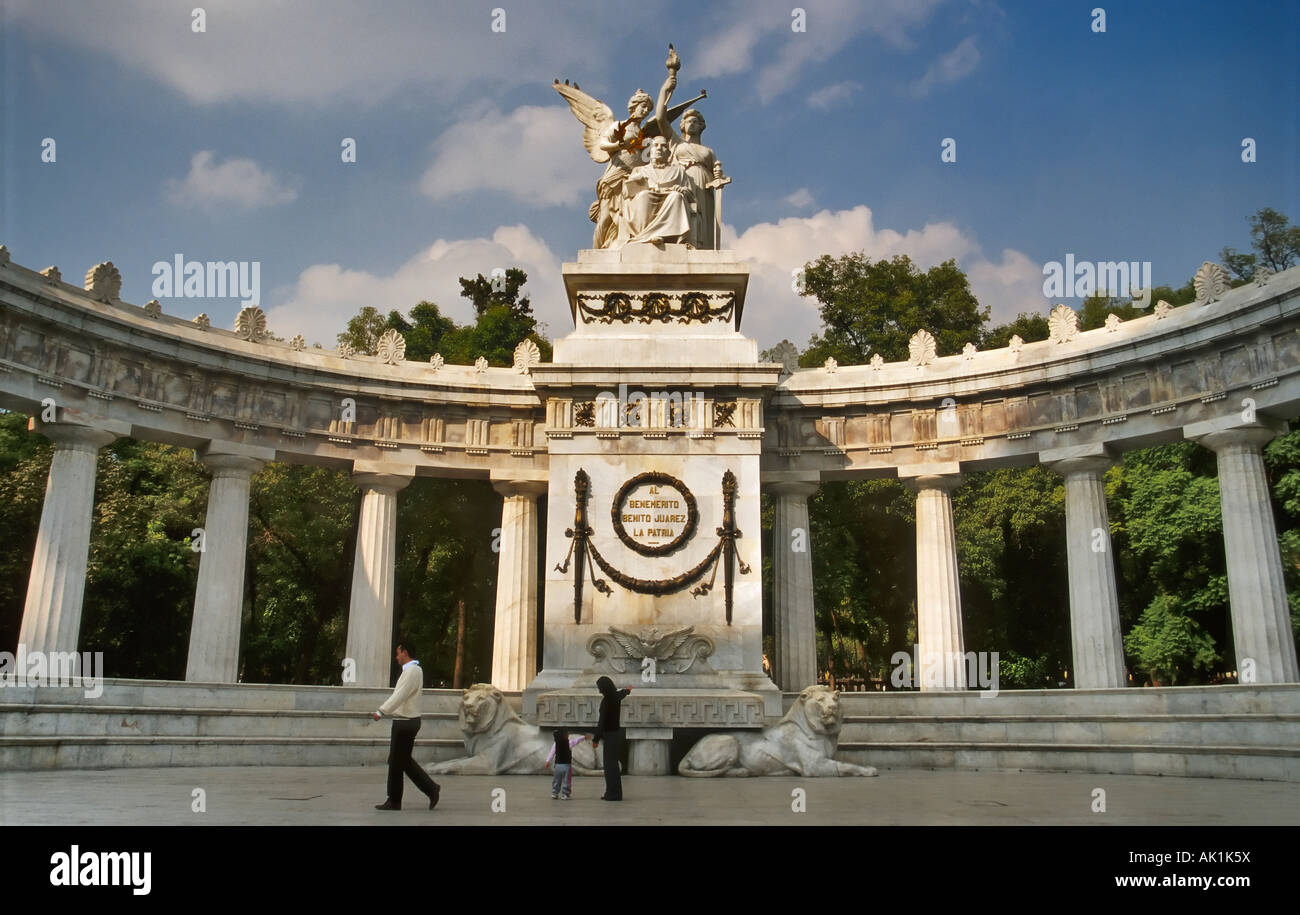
833,95
775,250
1010,287
292,52
534,154
236,182
831,24
328,295
800,199
949,68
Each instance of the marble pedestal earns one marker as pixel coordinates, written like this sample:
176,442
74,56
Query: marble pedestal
655,384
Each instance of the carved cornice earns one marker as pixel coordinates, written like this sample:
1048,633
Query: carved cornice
652,307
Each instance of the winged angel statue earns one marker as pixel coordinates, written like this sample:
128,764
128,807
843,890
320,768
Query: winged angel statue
670,204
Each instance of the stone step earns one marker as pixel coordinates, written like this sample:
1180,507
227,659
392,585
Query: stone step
1277,698
175,694
1236,729
1278,763
113,752
99,720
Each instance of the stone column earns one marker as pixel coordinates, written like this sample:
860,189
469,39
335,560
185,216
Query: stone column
1094,605
514,640
795,661
370,615
938,597
219,596
1261,619
52,613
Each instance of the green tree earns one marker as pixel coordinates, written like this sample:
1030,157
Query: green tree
1097,308
364,330
424,331
486,293
1168,538
872,307
1030,328
141,571
1275,241
302,539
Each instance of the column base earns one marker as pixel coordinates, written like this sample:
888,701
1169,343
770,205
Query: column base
649,751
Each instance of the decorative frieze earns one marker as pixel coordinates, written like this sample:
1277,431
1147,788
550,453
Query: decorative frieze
656,307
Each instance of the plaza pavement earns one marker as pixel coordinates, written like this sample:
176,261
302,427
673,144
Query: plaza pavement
336,796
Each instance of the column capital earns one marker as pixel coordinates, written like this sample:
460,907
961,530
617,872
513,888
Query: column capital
515,488
381,482
945,482
1091,458
1252,438
1090,465
68,436
382,476
231,465
796,488
1229,432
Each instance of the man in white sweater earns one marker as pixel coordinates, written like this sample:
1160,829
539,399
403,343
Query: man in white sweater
403,706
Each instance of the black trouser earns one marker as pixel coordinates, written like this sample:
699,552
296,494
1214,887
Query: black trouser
400,761
613,741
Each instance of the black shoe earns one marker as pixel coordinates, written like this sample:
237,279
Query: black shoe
611,798
388,805
433,801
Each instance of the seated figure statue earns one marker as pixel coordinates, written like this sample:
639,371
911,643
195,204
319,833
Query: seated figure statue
658,199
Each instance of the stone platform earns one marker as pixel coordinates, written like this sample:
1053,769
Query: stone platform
1209,731
344,796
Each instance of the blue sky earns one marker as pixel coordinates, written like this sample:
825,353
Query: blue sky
225,144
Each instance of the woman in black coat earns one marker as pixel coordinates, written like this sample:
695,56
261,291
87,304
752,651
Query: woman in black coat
609,730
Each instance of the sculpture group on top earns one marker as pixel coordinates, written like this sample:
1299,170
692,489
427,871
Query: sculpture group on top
659,187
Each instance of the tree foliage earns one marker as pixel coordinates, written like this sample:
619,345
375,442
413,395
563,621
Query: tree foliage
870,307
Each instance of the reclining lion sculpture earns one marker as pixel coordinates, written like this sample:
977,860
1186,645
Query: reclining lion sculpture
801,743
499,742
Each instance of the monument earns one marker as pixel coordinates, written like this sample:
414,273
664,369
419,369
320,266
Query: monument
651,433
654,427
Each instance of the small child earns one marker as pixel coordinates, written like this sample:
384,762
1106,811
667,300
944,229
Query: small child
562,753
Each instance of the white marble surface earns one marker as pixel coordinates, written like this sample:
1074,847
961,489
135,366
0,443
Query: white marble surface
219,595
1094,603
1261,618
370,614
52,612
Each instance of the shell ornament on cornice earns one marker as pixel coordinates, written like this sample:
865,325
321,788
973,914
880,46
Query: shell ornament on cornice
436,361
1016,343
921,348
153,309
968,351
1211,283
346,350
250,324
52,274
391,348
298,343
103,282
877,361
830,365
480,365
203,321
1062,324
527,355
